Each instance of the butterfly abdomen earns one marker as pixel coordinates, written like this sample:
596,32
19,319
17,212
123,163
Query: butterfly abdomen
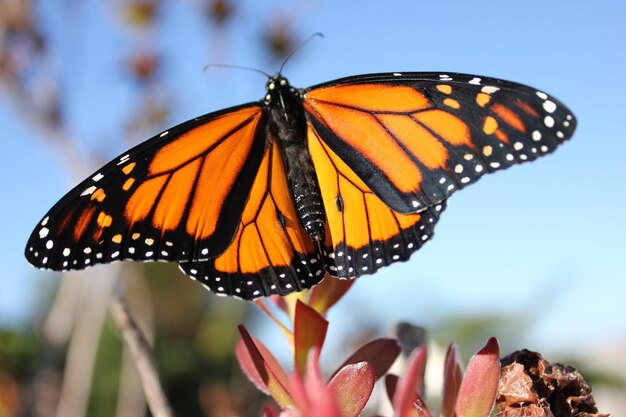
306,193
288,127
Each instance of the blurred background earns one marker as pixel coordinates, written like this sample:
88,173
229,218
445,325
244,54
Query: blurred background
534,255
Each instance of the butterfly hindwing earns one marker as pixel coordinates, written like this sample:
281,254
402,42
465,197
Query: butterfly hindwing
362,233
175,197
271,253
416,138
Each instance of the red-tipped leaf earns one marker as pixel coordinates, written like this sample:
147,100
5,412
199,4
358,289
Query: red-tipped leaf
480,384
309,332
268,373
244,357
391,383
380,353
410,384
312,398
452,377
352,386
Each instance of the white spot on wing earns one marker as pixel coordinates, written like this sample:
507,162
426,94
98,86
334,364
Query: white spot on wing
123,159
475,81
489,89
43,232
89,190
97,177
549,106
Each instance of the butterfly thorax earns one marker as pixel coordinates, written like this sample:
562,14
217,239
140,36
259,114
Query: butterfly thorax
287,126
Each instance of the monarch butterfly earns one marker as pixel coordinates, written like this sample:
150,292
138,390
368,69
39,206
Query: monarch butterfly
265,198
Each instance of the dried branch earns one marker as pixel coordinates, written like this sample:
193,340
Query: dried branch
84,342
142,353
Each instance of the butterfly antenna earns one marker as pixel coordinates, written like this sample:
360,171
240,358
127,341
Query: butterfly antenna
297,48
236,67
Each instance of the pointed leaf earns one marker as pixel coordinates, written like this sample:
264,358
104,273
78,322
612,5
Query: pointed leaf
325,294
410,384
292,299
452,377
269,371
380,353
322,398
298,393
249,368
391,382
312,397
480,384
309,331
352,387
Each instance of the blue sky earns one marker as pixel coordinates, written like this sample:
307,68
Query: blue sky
546,235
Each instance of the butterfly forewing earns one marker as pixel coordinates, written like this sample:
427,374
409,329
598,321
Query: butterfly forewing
416,138
171,198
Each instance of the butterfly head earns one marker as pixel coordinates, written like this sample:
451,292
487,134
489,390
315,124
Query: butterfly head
276,86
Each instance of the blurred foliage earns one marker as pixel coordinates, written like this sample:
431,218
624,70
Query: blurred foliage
19,351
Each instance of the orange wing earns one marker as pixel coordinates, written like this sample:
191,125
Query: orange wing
271,252
362,233
415,138
176,197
